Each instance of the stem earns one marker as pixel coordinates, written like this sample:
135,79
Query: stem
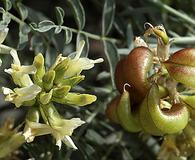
16,19
184,40
90,35
181,15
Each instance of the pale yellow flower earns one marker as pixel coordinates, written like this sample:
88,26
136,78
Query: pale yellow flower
20,95
77,64
61,130
20,72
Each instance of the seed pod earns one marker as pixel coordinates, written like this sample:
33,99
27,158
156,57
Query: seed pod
119,75
189,100
181,66
167,121
111,109
137,65
125,115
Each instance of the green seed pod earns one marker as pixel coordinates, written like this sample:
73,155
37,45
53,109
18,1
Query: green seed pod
189,100
39,64
60,70
125,115
181,66
146,121
48,80
167,121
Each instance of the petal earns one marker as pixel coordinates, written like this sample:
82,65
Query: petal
28,93
7,91
79,49
66,127
36,129
28,69
15,57
3,34
68,141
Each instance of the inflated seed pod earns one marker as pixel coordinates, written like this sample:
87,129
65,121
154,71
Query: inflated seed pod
160,116
120,75
137,65
127,118
181,66
111,109
189,100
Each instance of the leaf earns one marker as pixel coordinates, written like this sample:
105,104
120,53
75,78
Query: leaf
112,56
85,50
7,5
108,16
22,10
23,36
120,26
59,15
43,26
67,36
58,29
129,34
79,13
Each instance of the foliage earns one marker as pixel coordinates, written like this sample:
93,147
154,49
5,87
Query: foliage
48,27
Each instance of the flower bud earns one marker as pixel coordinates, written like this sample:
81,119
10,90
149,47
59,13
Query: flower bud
39,64
72,81
48,80
76,99
45,98
60,70
61,92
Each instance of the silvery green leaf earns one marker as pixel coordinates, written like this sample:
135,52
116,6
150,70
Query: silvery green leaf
5,20
36,44
23,36
22,10
0,62
79,13
108,16
129,34
67,36
120,26
85,50
112,56
59,15
43,26
2,10
7,5
58,29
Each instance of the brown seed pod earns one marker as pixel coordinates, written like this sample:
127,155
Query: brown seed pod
111,109
120,75
137,65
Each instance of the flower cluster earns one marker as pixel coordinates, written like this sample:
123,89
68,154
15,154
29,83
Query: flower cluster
38,89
